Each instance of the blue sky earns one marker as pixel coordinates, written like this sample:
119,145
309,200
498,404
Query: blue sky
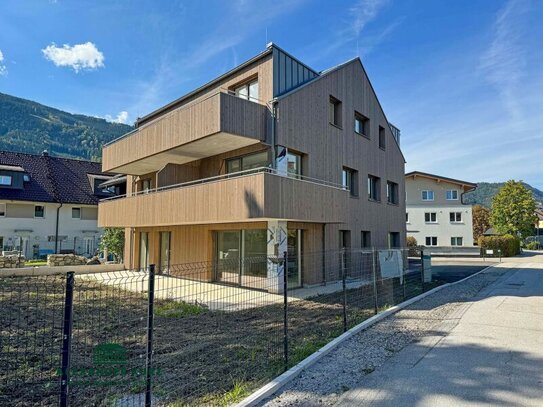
463,80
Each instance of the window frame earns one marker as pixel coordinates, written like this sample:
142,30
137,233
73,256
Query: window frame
428,191
78,208
456,239
382,138
364,124
43,211
335,112
395,188
432,238
242,157
447,195
247,86
298,161
430,217
6,177
353,177
365,239
453,218
374,185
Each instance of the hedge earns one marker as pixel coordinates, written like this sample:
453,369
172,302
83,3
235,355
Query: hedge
508,244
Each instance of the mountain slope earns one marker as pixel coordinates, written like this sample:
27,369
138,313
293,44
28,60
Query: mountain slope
487,190
30,127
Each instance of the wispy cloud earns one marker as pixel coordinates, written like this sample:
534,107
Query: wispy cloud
78,57
505,59
363,12
3,68
122,117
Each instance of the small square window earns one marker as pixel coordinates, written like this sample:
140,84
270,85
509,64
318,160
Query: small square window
39,211
455,217
382,137
335,112
457,241
431,240
361,124
427,195
76,213
430,217
452,195
393,240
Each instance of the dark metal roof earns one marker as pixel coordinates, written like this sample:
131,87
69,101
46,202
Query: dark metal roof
52,179
428,175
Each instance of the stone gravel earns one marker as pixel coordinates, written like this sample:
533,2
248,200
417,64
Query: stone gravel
344,367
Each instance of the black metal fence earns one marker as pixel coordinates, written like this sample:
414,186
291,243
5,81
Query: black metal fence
191,334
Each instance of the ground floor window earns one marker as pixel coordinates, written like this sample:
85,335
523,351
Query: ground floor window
144,250
393,240
365,239
431,240
457,241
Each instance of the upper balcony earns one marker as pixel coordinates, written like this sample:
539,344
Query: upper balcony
213,125
250,195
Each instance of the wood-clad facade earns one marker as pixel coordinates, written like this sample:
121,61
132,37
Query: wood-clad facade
293,160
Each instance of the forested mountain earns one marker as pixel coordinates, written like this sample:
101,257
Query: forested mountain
486,190
30,127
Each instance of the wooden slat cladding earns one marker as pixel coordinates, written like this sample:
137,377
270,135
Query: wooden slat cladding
257,196
218,113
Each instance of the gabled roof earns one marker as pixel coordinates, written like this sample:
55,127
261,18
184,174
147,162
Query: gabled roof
464,184
52,179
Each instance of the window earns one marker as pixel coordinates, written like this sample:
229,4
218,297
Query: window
407,217
361,124
382,137
76,213
247,162
365,239
457,241
294,165
26,178
455,217
248,91
349,180
335,112
392,193
5,180
393,239
431,240
430,217
452,195
373,188
39,211
2,210
146,185
427,195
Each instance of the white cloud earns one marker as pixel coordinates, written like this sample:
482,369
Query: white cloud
122,118
363,12
3,68
79,57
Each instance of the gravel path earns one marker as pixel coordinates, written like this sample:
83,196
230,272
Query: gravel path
344,367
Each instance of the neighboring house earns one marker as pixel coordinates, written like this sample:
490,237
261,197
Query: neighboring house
269,157
49,204
436,214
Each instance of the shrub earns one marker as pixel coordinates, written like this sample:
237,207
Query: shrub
411,241
508,244
533,245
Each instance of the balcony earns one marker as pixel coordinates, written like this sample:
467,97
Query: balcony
216,124
252,195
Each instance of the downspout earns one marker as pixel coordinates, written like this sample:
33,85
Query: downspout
273,136
56,228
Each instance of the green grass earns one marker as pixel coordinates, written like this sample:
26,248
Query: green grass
36,262
177,309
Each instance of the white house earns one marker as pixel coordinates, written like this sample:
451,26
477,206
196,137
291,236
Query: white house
436,214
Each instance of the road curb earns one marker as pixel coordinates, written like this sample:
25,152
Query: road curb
285,378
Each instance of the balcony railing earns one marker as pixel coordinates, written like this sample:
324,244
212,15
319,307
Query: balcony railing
222,177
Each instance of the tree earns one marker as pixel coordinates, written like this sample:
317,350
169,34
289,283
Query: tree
481,221
113,242
513,210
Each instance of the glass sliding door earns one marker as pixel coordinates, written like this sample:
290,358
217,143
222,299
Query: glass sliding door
144,250
165,242
294,244
254,267
227,261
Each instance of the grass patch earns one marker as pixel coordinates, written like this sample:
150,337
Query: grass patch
177,309
36,263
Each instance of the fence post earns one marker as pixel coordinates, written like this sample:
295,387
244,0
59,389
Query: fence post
67,339
376,303
285,308
150,321
343,278
422,269
402,271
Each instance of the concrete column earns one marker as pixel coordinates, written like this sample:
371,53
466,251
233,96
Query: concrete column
277,245
281,162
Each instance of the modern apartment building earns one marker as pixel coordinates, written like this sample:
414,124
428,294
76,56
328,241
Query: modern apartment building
49,204
269,157
436,214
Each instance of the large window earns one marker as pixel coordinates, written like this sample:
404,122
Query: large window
452,195
294,164
392,193
430,217
427,195
39,211
382,137
248,91
247,162
455,217
457,241
361,124
431,240
349,180
335,112
374,185
5,180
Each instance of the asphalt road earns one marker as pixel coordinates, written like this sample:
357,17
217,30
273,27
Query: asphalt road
457,271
